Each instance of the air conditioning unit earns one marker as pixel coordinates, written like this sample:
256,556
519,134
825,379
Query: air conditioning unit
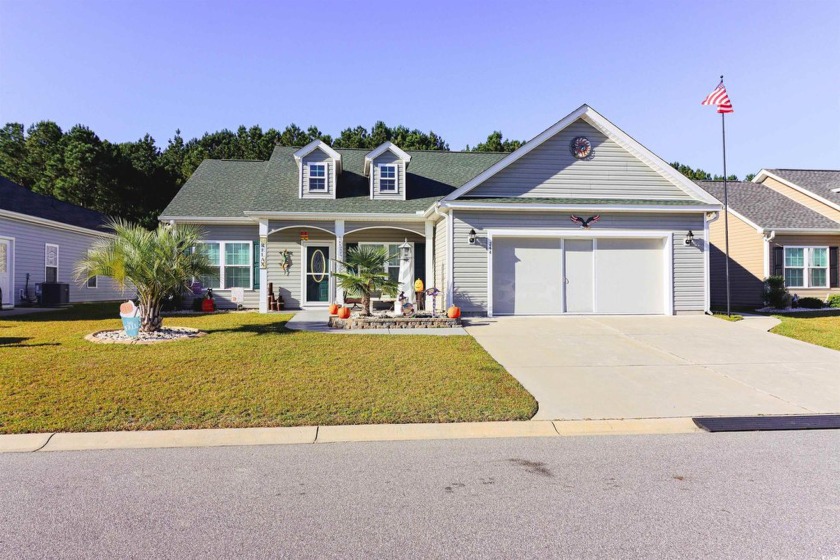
54,294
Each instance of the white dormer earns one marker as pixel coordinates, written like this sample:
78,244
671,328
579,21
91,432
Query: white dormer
318,170
385,167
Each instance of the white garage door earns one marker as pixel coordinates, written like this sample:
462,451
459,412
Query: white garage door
607,276
629,276
526,276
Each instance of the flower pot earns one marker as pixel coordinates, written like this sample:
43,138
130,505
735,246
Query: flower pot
344,313
208,306
334,307
453,312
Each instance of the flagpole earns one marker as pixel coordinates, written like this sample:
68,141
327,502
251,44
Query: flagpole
725,207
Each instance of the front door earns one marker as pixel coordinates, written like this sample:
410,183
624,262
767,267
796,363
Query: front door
6,271
316,281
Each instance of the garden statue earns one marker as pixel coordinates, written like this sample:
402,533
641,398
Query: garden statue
433,293
285,260
129,313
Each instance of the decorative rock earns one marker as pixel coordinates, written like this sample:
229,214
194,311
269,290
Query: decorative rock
165,334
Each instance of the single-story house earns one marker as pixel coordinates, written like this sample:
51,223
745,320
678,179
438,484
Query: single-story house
581,219
786,222
41,240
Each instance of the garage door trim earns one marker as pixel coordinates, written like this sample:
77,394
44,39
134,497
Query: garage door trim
668,252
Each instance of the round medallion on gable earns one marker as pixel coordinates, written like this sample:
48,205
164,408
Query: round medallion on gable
581,147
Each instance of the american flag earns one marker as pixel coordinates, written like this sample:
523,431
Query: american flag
719,98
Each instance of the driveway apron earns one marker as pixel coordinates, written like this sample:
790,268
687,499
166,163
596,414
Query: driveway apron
606,367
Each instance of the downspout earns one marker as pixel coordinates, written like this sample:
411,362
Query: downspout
767,240
708,220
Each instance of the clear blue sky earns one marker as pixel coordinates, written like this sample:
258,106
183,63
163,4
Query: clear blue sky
461,69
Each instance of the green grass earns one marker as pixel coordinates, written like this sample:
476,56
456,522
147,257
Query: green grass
249,371
817,327
726,317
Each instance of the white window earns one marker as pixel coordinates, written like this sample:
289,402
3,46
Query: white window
388,178
806,267
50,263
231,263
392,267
318,177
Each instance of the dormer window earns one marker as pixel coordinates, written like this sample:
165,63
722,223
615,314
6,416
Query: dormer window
388,178
318,177
386,168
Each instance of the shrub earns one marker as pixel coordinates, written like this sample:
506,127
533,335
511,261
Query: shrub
834,300
811,303
775,293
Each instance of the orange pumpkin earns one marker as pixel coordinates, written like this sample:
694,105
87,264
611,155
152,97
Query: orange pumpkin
453,312
334,308
344,313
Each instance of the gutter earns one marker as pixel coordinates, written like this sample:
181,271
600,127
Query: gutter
578,207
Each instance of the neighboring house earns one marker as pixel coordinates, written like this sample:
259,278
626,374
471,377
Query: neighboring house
492,231
784,223
44,237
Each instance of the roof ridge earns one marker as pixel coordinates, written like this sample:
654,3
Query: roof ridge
801,169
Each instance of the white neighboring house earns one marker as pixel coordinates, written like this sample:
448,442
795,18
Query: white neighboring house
45,238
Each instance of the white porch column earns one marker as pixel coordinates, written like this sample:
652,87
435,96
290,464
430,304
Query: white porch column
429,280
263,266
339,255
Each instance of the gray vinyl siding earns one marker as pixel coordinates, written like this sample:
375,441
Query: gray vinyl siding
470,261
416,227
232,233
551,171
28,248
388,157
382,236
440,258
318,156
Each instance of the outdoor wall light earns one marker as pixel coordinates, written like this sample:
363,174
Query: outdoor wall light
471,237
689,238
405,251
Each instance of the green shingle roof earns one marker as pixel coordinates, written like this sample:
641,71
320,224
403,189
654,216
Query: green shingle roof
227,188
581,201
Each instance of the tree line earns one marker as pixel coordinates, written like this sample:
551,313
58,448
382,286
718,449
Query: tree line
136,180
700,175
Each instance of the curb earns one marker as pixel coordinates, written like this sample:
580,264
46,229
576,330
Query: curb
88,441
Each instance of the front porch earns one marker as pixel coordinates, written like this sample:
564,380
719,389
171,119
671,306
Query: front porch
297,260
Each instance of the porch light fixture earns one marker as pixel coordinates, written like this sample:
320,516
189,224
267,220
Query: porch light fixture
405,251
689,238
471,237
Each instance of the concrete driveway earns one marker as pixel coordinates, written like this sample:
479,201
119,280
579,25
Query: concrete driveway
654,367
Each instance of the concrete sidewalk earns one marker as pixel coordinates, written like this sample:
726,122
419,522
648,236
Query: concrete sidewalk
315,320
28,443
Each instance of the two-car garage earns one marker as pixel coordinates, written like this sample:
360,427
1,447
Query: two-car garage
535,275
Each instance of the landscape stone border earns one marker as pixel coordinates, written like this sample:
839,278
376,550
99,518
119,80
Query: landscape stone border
393,323
171,334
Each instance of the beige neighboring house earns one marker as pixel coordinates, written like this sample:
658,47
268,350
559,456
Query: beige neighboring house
786,222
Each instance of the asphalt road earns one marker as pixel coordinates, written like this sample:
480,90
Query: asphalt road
758,495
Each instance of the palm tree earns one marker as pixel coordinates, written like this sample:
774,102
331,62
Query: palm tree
157,263
366,274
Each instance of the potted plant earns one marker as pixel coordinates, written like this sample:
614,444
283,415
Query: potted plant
365,274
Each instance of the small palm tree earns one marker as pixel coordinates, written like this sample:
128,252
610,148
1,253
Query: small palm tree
157,263
365,274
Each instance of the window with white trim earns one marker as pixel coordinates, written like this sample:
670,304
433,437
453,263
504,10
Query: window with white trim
387,178
392,267
50,262
231,264
806,267
318,177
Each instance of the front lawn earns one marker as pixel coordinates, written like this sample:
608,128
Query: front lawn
817,327
249,371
